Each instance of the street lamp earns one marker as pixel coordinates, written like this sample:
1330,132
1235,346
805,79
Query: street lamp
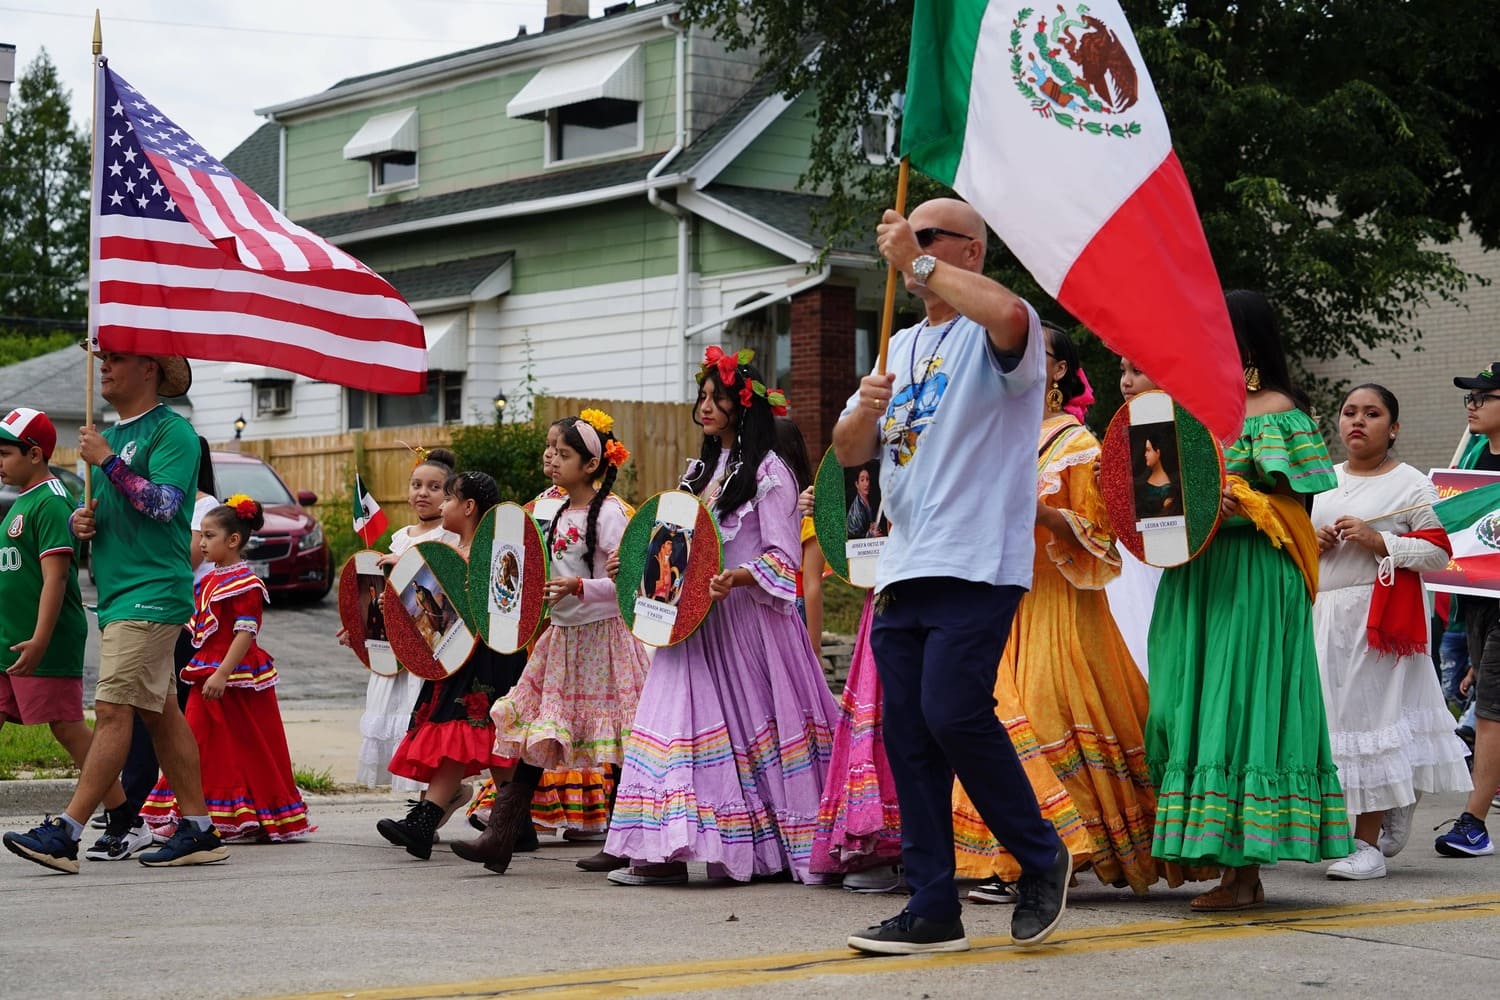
500,404
239,426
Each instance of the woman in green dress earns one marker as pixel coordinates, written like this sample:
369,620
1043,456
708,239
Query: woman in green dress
1236,737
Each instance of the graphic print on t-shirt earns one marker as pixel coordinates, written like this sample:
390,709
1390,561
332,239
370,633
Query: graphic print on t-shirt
913,407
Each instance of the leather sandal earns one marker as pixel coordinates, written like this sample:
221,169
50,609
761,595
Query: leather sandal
1225,898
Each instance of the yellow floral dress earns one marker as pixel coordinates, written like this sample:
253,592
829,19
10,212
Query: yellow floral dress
1067,689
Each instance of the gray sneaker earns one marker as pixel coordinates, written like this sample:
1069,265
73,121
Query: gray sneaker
882,878
1395,831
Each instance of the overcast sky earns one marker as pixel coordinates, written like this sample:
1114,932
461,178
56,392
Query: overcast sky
207,64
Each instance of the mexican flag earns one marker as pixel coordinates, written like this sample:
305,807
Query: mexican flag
369,519
1470,513
1043,117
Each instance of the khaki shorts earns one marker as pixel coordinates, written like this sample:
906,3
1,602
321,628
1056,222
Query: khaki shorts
135,664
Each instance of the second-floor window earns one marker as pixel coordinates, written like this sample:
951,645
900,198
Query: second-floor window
593,128
393,170
388,142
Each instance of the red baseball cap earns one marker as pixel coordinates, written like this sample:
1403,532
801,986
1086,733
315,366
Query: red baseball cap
30,429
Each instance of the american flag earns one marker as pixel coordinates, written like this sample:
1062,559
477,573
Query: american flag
186,259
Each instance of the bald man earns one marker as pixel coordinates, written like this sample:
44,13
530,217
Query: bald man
954,423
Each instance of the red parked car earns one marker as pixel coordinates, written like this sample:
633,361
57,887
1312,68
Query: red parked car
290,553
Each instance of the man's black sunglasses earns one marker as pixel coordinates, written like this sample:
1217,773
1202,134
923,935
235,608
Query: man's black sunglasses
926,236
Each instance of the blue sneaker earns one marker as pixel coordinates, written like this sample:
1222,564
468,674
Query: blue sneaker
188,846
49,845
1467,839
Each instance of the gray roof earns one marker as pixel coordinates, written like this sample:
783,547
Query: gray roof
547,185
54,382
257,161
792,213
452,279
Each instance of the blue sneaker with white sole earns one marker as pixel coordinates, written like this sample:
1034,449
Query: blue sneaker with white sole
187,846
1467,839
48,844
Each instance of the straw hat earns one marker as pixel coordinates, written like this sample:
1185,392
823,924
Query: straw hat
176,373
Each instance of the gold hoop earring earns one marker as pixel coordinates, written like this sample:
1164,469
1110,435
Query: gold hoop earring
1054,399
1252,378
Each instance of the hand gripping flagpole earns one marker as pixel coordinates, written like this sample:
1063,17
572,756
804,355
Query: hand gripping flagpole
88,344
888,315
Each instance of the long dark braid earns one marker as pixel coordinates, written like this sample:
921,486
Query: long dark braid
569,429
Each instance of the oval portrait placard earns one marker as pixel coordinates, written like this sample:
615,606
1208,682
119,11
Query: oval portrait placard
670,551
848,519
362,614
427,615
507,576
1162,476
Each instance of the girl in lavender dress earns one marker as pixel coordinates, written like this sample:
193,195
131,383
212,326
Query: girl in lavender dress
729,749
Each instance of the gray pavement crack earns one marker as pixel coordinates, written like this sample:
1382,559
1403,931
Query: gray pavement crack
1344,936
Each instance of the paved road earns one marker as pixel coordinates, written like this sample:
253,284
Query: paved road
316,672
348,914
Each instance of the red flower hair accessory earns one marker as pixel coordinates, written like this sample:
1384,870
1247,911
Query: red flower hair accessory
243,505
727,368
616,454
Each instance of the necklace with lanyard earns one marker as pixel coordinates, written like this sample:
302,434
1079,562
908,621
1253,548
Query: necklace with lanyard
920,387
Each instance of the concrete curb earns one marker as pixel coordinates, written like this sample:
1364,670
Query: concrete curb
24,797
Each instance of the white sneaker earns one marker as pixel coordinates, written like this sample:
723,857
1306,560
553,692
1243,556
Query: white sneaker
1366,862
112,848
1396,830
881,878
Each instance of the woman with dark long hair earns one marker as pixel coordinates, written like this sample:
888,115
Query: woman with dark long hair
729,748
1237,738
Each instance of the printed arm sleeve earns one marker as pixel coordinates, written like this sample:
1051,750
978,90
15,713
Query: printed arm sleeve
775,569
158,501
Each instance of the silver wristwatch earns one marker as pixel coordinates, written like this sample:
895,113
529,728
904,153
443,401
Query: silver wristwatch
922,268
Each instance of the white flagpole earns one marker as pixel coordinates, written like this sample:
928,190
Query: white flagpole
93,304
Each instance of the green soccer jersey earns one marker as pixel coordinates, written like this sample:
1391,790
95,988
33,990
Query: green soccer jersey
35,528
141,564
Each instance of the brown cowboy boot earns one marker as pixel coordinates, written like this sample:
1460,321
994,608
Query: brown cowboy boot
493,847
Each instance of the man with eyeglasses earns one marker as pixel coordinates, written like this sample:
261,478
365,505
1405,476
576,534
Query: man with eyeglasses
960,494
1481,617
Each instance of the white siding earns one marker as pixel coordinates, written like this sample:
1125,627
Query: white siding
317,407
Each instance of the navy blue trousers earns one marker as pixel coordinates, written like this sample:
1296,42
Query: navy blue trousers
141,769
937,644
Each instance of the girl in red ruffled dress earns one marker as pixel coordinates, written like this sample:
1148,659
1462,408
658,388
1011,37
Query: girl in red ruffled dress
232,709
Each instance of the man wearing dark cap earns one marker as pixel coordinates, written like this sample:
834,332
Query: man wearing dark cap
139,521
1481,616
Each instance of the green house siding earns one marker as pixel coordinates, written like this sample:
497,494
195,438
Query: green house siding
594,246
466,141
718,251
778,156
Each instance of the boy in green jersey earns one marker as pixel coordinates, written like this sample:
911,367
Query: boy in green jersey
42,629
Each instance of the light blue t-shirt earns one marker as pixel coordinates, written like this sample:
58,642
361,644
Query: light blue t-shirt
957,455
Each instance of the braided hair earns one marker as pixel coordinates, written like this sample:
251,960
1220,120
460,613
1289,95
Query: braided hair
755,435
605,477
477,486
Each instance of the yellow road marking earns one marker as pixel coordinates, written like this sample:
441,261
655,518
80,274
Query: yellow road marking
758,970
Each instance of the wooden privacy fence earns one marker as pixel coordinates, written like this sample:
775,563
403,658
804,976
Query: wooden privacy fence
660,436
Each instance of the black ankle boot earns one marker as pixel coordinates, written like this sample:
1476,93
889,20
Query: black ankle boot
415,832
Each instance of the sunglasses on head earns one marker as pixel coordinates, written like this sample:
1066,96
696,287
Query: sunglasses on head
926,236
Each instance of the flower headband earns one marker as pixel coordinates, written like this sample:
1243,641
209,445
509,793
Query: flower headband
589,425
728,368
242,505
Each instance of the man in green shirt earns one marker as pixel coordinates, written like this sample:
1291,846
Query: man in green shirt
139,523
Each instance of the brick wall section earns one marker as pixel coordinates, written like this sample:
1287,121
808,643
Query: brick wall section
1454,341
822,369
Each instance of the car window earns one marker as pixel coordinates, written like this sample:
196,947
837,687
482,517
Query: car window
252,479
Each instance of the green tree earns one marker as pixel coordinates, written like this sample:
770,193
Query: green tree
1334,149
44,209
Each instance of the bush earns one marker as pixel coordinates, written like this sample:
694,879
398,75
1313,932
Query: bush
511,452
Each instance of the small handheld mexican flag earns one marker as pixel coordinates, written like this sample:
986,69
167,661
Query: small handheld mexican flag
369,519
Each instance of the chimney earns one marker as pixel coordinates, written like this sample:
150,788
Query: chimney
7,76
561,13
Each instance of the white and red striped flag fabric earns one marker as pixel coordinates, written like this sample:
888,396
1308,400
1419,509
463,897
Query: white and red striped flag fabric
1044,118
186,259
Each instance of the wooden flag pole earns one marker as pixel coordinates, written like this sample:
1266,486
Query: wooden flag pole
888,315
88,342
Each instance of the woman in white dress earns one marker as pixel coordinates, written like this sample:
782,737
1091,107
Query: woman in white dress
1390,728
1132,594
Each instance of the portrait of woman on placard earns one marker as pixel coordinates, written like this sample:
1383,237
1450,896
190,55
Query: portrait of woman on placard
1158,490
864,502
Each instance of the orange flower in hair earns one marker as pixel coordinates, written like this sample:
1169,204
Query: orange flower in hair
616,454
